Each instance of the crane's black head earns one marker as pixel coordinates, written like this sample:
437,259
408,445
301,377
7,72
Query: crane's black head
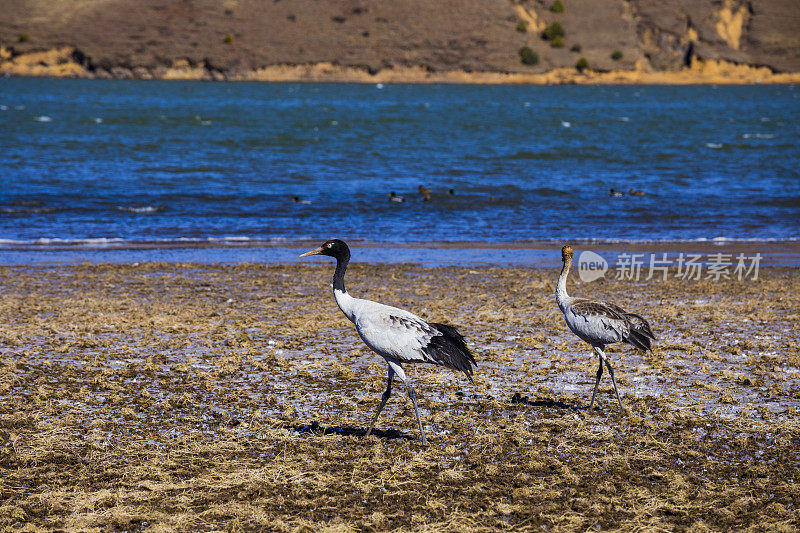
333,248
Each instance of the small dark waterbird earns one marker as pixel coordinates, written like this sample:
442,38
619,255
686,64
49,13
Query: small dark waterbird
425,192
600,324
396,335
298,200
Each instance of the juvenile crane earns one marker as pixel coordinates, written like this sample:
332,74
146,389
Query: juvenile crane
600,323
396,335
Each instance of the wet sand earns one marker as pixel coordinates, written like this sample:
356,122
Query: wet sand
189,396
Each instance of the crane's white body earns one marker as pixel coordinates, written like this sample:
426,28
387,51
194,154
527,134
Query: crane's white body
596,330
395,334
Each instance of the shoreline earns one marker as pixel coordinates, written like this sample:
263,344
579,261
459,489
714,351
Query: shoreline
434,254
64,62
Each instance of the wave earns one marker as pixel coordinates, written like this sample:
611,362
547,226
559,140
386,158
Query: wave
550,192
56,243
27,210
49,243
179,169
711,240
526,154
140,209
780,202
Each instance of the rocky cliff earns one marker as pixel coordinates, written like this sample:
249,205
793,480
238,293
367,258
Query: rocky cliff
448,40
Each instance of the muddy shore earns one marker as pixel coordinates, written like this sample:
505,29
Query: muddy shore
187,396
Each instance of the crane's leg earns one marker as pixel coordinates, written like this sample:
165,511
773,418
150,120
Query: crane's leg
597,381
614,381
413,396
603,359
384,399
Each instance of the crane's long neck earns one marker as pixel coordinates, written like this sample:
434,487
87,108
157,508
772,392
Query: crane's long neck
341,267
561,290
345,302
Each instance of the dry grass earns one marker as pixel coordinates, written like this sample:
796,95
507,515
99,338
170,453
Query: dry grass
210,397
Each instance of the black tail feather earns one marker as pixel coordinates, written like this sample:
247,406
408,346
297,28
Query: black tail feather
450,350
640,324
639,339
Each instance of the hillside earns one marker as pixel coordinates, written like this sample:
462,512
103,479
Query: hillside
363,40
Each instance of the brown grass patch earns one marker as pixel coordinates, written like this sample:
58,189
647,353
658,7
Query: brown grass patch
202,397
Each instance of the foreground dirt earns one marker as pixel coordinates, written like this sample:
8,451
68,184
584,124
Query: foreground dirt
189,397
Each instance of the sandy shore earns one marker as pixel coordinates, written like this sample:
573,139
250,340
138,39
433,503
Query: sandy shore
186,396
62,62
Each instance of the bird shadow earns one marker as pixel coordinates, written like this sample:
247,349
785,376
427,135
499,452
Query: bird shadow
315,428
558,404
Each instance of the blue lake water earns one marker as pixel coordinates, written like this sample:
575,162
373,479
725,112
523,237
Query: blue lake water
98,163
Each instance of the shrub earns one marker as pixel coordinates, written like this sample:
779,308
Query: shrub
575,48
558,42
522,26
528,56
228,39
553,30
616,55
582,64
557,7
24,38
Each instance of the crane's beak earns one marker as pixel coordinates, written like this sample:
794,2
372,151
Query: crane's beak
315,251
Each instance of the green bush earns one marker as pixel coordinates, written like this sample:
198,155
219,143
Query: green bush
522,26
582,64
24,38
228,39
616,55
558,42
553,30
528,56
557,7
575,48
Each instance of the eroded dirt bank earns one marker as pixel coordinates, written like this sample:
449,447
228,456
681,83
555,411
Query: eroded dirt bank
198,397
66,62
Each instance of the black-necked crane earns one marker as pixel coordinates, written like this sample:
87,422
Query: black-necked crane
600,323
396,335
